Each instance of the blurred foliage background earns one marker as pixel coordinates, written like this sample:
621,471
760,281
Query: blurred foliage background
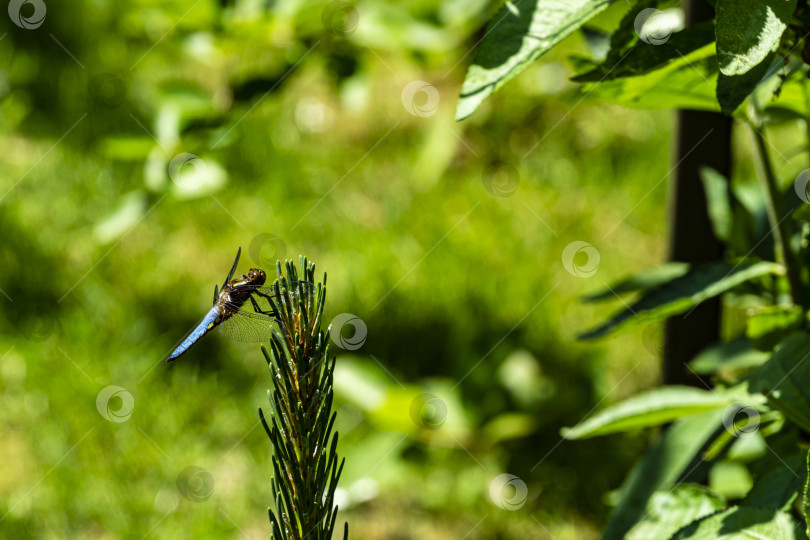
114,233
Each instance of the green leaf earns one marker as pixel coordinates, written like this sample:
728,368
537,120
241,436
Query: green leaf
792,101
509,426
779,476
734,355
646,279
783,379
741,523
521,32
766,328
749,30
730,479
686,82
733,89
731,220
718,199
129,212
668,511
126,147
675,455
651,408
682,293
632,57
620,45
806,497
598,43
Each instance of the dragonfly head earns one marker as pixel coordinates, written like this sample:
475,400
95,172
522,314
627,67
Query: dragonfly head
256,276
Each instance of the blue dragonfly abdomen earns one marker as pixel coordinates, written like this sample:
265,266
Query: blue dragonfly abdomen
205,325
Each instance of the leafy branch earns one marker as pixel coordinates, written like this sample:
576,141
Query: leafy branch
305,461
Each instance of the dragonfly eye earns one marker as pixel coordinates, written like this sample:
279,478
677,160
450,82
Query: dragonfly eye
257,276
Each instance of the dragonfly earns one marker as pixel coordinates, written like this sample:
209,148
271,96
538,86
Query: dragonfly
243,310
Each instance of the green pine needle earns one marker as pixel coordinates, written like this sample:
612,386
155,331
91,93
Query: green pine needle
305,471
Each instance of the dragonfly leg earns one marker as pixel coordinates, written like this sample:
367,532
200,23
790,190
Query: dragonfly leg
269,313
263,295
270,298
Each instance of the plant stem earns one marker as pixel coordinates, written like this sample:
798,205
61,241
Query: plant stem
804,74
777,218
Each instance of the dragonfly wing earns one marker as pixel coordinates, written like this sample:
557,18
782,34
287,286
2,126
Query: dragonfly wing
233,268
201,329
247,326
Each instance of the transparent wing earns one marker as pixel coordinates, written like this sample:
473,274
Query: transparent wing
246,326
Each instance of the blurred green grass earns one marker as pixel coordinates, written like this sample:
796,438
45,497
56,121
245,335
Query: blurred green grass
302,134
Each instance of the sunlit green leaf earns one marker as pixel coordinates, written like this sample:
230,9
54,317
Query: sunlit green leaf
734,355
519,33
733,89
749,30
193,177
675,457
634,57
646,279
129,211
669,510
771,325
686,82
509,426
126,147
783,379
741,523
682,293
651,408
718,199
730,480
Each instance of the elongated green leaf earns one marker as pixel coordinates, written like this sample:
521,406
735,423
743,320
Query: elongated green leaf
668,511
679,295
687,82
731,220
677,453
806,497
741,523
646,279
632,57
749,30
718,199
521,32
620,44
783,379
651,408
771,325
737,354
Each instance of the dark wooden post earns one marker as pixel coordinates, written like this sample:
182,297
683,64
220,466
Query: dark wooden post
691,237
